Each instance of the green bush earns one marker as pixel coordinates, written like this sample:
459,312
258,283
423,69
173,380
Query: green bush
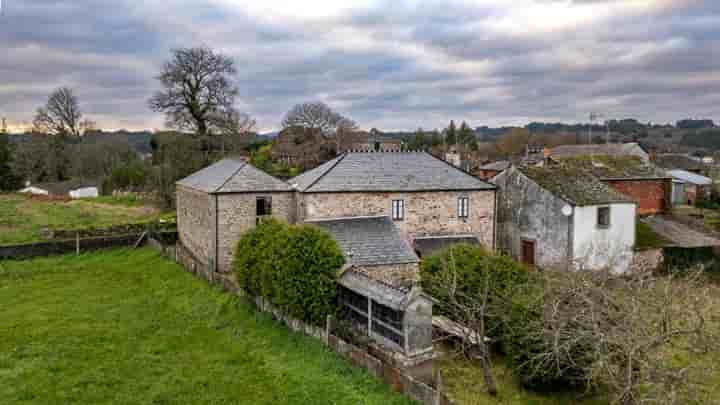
473,264
293,266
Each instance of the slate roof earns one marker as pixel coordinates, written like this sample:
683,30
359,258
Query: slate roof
369,240
607,167
387,171
575,187
232,176
499,166
431,244
611,149
689,177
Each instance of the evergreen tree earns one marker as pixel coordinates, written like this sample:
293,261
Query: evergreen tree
8,180
451,134
466,137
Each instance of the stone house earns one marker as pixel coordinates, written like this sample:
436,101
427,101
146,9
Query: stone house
556,217
361,141
381,207
490,170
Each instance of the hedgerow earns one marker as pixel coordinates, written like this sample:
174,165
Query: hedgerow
294,267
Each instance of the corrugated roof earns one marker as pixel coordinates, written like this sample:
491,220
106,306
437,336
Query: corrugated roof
689,177
576,187
369,240
232,176
387,171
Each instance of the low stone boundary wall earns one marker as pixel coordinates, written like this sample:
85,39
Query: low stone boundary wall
78,245
647,261
385,371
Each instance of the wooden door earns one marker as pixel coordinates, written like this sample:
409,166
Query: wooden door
528,252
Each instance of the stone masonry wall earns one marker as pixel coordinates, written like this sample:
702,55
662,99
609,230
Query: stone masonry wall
237,216
645,261
392,274
426,213
652,196
195,222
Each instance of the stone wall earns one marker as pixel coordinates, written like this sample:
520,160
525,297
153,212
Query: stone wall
237,215
195,222
648,260
652,196
426,213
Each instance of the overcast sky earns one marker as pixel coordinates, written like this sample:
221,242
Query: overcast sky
391,64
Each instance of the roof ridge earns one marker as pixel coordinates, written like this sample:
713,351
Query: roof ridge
244,163
340,159
458,169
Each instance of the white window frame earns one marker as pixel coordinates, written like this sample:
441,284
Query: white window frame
398,210
463,207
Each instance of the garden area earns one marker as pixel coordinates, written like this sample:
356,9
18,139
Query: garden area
26,219
123,326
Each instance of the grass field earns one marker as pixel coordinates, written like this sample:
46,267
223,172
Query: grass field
129,327
22,219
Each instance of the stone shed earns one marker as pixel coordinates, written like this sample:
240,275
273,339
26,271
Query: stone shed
379,286
218,204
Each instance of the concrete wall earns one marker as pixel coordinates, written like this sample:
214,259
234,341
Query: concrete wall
528,212
610,247
426,213
237,215
195,222
652,196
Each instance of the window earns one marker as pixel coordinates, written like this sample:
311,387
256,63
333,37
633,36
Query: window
463,207
263,207
398,210
528,253
603,217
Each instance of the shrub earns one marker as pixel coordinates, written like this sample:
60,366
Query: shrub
474,267
293,267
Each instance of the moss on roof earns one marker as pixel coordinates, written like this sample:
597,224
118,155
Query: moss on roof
574,186
607,167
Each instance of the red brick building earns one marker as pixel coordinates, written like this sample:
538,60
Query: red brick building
651,195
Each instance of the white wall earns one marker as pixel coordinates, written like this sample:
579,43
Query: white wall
596,248
85,192
34,190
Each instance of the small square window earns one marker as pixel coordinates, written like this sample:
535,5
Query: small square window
603,217
398,210
463,207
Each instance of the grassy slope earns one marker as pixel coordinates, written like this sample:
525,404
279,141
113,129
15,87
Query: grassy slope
22,218
130,327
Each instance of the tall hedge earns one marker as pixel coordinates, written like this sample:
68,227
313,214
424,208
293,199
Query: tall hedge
293,266
473,265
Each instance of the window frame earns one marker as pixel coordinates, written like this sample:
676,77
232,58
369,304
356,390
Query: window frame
606,224
266,207
463,207
397,211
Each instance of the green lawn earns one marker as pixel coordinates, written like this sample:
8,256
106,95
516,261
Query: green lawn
22,219
130,327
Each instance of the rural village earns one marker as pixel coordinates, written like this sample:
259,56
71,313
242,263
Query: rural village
331,261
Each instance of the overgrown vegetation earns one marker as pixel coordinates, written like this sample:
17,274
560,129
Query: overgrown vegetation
647,238
130,327
294,267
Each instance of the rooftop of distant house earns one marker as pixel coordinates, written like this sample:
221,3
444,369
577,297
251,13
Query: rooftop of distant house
576,187
497,166
387,171
678,161
610,149
613,167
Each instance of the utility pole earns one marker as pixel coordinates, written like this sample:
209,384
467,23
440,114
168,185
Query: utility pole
593,117
3,126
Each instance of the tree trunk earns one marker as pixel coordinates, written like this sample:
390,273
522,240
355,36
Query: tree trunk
487,372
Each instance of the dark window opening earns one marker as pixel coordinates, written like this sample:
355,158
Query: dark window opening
263,208
603,217
398,210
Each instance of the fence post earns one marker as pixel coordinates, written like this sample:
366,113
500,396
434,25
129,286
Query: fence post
77,243
438,387
328,328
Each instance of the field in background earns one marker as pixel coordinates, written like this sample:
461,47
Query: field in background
126,327
24,219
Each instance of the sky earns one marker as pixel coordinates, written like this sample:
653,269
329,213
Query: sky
389,64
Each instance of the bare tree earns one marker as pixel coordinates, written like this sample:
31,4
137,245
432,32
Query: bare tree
230,124
616,330
514,141
61,114
198,92
317,115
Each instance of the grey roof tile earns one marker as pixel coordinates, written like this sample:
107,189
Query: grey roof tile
369,240
430,245
387,171
232,176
